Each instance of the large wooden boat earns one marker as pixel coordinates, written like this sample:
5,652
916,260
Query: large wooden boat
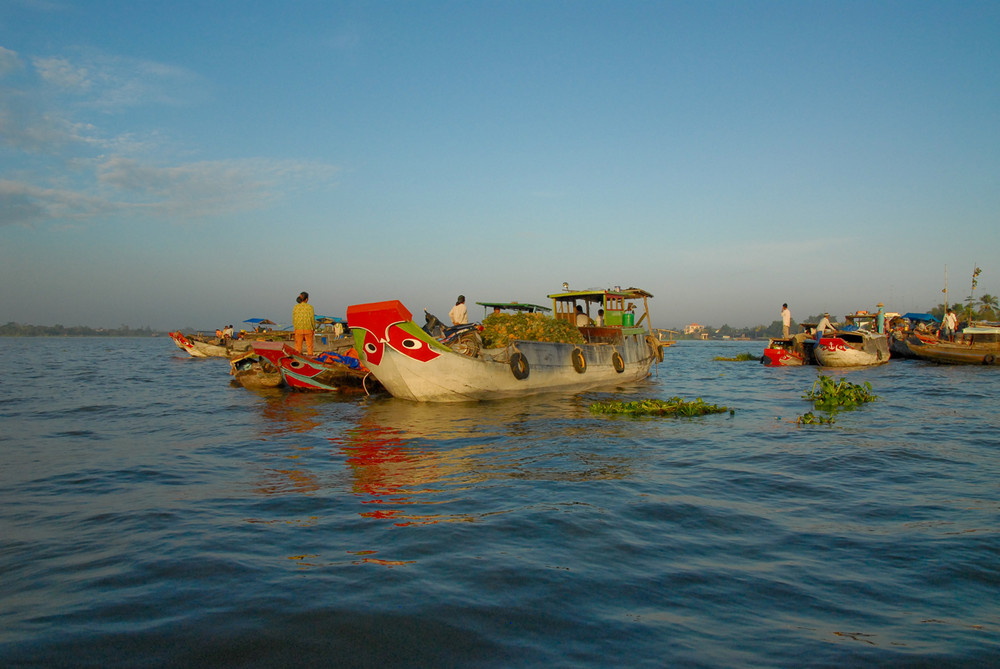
327,371
858,348
980,345
857,343
916,327
412,364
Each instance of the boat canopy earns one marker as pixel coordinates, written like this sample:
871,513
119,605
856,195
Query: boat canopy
927,318
330,320
514,306
260,321
619,307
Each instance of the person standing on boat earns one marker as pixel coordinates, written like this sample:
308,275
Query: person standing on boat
823,325
600,318
582,320
880,319
304,322
786,320
459,315
949,325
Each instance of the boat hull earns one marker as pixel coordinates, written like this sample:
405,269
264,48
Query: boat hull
200,347
412,365
301,372
789,351
947,353
852,349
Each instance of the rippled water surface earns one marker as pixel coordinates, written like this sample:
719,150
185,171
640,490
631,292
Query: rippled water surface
153,515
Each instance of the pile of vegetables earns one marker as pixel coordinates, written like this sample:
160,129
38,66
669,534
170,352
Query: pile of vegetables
675,406
501,329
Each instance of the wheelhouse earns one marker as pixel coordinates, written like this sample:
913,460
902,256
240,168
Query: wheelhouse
626,311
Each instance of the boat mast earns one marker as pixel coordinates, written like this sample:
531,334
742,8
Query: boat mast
945,291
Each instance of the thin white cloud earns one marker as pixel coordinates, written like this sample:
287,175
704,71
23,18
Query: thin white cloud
9,61
188,192
23,203
55,167
109,83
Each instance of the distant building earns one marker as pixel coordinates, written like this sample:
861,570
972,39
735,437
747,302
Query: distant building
693,328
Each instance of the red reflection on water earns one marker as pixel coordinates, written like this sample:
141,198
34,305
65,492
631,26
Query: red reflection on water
393,475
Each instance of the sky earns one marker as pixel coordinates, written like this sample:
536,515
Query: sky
195,164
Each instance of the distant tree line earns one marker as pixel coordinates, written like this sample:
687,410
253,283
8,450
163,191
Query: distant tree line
23,330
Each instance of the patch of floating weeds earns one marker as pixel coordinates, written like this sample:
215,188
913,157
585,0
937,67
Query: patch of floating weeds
675,406
742,357
833,396
812,419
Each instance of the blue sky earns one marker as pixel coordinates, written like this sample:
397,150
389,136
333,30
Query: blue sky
193,164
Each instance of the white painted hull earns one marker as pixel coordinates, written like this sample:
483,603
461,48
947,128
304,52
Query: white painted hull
852,349
454,377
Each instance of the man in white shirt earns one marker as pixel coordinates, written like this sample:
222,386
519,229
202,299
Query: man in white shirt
949,325
459,315
786,320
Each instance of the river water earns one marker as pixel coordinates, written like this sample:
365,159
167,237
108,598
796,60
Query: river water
152,515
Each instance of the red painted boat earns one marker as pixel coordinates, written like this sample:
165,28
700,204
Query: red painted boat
327,371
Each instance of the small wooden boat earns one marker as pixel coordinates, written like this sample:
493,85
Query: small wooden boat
414,365
201,346
327,371
980,345
790,351
254,372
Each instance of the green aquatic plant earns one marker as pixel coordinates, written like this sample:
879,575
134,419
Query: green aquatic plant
833,395
675,406
812,419
742,357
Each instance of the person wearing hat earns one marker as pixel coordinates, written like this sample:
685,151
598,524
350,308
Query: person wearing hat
459,315
823,325
880,319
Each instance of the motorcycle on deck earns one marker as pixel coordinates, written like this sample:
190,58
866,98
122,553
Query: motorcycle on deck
464,339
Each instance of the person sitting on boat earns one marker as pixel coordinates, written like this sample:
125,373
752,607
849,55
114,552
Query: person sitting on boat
459,315
599,322
304,322
823,325
582,319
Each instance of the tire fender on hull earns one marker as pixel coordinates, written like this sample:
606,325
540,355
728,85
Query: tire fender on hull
519,366
618,362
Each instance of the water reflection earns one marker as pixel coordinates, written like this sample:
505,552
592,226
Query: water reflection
289,414
410,459
412,463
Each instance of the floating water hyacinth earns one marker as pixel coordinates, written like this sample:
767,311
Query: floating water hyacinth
675,406
832,395
742,357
